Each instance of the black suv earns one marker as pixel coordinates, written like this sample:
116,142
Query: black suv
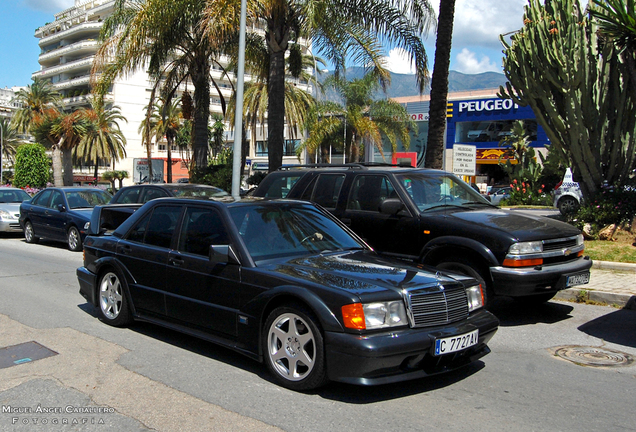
432,217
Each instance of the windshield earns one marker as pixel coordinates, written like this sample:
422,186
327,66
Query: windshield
271,231
13,196
198,191
443,190
87,198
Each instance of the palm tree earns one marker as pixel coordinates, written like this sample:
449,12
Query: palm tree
439,86
165,120
164,36
341,30
34,100
358,121
298,102
10,141
103,140
617,20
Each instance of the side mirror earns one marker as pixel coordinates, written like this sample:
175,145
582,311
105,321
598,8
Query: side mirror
223,254
391,206
61,208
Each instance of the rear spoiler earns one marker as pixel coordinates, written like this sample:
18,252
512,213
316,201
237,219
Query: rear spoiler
107,218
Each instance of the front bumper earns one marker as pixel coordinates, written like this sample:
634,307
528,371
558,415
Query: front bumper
519,282
403,354
10,225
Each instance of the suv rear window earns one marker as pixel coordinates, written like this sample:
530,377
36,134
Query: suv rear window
281,186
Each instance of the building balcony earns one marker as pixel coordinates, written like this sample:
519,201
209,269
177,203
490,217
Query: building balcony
81,31
85,12
78,81
81,64
78,49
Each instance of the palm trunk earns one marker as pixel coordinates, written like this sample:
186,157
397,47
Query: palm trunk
67,161
276,109
439,86
169,174
56,157
200,78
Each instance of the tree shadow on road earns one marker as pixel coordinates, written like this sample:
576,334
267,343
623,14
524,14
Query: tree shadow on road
617,327
512,313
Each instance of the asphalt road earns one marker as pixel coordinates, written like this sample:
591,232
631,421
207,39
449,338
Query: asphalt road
154,379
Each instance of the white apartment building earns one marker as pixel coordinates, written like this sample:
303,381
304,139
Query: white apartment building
68,47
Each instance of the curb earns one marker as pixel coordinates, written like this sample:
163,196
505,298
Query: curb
624,301
608,265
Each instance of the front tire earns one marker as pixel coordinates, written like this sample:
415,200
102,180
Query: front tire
29,233
74,239
294,348
113,304
469,268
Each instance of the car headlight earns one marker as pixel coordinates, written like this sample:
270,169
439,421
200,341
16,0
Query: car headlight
372,316
87,225
5,215
525,248
580,240
475,296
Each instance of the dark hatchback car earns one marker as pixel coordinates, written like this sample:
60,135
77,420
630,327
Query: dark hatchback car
285,283
146,192
61,214
432,217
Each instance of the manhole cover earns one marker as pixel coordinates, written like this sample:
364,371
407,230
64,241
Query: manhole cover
594,356
23,353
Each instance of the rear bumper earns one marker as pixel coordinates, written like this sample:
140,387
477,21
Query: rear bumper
403,354
518,282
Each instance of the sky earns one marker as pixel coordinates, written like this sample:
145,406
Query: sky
476,46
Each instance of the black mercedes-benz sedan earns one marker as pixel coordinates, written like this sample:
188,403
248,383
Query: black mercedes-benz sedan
286,283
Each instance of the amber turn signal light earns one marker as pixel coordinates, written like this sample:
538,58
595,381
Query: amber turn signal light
353,316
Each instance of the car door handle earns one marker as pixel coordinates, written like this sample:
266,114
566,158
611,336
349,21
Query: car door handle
177,262
124,249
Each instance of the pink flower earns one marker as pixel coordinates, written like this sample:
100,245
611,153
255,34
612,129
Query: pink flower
524,190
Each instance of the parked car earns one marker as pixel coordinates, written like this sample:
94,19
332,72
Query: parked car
61,214
285,283
432,217
500,194
567,194
10,200
146,192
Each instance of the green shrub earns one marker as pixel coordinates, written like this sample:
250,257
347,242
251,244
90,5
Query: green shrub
610,206
32,166
256,178
213,175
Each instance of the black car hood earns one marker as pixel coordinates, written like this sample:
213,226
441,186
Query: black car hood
360,272
522,226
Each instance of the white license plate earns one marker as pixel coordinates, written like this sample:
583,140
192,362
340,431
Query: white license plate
456,343
577,279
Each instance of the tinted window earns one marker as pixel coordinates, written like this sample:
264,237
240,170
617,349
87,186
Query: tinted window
281,186
201,228
152,193
273,231
43,198
327,190
13,196
430,191
57,199
368,192
197,191
156,229
128,196
87,198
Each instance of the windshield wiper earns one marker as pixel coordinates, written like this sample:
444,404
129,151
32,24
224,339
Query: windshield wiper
443,205
479,203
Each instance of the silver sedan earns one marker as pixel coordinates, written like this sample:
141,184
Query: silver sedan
10,199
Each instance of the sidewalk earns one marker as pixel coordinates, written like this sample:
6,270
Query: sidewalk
611,283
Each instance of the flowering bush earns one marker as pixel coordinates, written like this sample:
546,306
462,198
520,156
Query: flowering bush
525,193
